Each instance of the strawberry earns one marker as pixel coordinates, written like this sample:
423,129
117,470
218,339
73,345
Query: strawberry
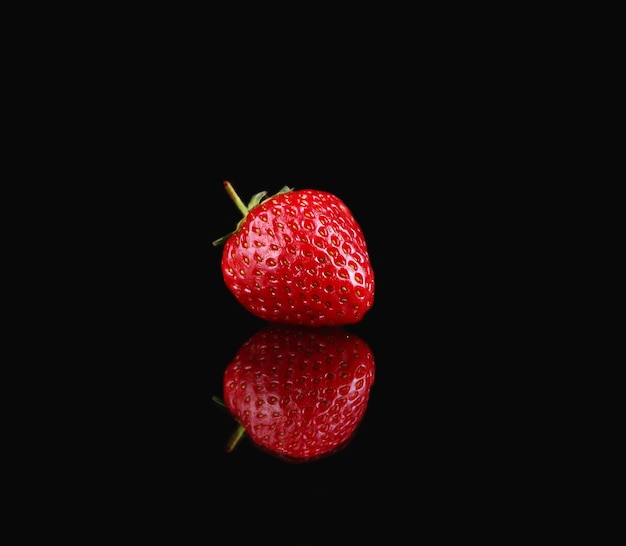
298,257
299,393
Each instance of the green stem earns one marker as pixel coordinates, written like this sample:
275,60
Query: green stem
235,438
236,199
256,200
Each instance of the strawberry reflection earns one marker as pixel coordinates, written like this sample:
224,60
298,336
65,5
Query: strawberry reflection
299,393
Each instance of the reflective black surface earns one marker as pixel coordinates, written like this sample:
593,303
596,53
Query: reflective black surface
299,393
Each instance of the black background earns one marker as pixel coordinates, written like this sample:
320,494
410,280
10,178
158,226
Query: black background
439,177
450,429
441,135
442,205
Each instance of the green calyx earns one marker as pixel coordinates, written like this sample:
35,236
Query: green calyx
256,200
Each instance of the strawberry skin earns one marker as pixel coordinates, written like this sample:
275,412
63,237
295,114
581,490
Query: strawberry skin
300,393
300,258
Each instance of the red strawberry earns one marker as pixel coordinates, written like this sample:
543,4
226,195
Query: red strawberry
298,257
299,393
